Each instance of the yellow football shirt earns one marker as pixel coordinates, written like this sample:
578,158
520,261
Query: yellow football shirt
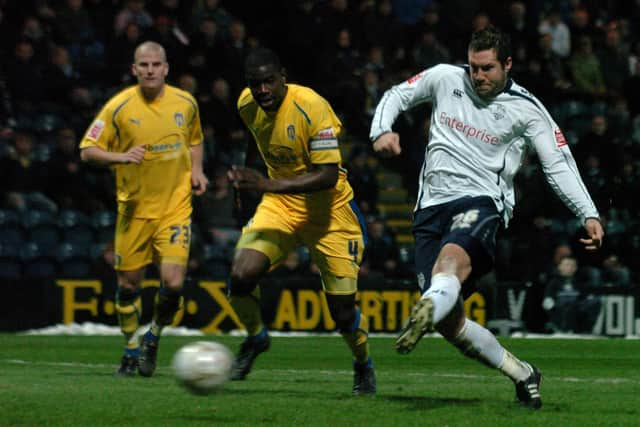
303,132
168,126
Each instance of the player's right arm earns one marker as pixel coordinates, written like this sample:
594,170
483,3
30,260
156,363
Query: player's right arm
402,97
99,141
96,154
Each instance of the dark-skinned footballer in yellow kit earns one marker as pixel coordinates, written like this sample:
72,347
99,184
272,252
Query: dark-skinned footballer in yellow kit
306,200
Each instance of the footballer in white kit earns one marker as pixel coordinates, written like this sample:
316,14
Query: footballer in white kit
482,125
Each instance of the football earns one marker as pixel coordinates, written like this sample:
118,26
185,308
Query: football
203,366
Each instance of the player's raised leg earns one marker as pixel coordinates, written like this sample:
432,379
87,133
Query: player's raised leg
249,266
129,309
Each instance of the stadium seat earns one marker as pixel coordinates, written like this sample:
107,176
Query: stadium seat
10,263
75,227
37,262
11,231
42,229
103,223
74,260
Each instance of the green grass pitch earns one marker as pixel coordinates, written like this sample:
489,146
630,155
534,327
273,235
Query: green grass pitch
306,381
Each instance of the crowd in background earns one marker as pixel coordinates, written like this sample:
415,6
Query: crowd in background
61,59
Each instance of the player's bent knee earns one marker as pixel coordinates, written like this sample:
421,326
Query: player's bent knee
241,284
343,310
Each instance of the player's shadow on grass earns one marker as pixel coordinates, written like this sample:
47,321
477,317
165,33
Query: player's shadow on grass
426,402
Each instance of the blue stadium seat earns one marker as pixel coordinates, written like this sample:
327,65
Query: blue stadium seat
10,263
74,260
11,231
75,227
42,229
37,262
104,224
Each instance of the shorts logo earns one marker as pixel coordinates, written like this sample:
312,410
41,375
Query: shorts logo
95,130
465,219
560,139
291,132
178,118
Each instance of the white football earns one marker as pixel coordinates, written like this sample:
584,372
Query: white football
202,366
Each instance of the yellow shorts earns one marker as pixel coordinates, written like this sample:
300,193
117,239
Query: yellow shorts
141,241
336,246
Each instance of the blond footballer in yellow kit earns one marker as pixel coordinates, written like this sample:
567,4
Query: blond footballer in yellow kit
150,135
306,200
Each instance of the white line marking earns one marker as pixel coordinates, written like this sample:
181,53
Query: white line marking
332,372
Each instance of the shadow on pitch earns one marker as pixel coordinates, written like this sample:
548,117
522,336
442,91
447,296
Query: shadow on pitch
426,402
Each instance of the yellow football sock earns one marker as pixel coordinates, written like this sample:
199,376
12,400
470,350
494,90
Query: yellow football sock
166,305
129,310
358,339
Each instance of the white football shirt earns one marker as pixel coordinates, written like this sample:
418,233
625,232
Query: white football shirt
476,147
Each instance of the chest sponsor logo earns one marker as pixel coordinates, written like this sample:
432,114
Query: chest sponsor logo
281,155
291,132
468,130
178,118
95,130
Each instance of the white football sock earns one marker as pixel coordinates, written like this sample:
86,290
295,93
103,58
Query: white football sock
444,293
479,343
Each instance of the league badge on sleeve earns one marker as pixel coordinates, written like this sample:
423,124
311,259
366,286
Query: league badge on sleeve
95,130
560,139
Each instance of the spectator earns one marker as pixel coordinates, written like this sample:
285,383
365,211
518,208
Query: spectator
614,59
217,109
206,51
567,300
381,254
25,79
68,181
585,71
362,178
559,32
211,9
22,177
133,12
615,273
429,52
120,54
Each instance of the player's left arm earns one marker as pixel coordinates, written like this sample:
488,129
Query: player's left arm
199,181
321,177
562,174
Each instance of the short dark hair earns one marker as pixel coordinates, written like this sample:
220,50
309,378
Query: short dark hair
491,38
261,56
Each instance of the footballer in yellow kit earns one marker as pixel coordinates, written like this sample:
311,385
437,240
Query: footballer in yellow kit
155,196
304,132
306,200
150,135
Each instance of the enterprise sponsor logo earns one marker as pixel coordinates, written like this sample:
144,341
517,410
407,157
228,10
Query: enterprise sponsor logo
468,130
